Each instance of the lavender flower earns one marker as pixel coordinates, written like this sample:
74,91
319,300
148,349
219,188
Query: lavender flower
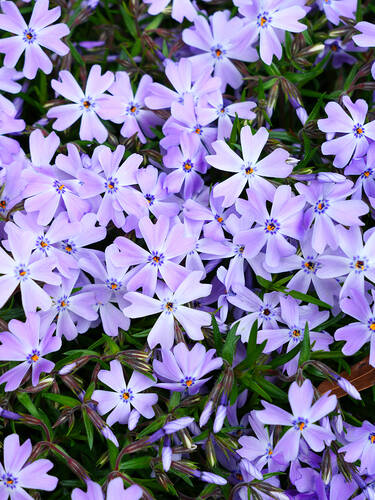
334,9
29,38
124,395
180,8
27,342
361,447
366,38
15,475
115,491
301,422
182,370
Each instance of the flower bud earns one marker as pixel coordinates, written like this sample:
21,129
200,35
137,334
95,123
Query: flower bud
133,419
206,413
166,454
177,425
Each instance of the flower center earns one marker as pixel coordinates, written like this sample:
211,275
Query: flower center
87,103
310,266
150,198
113,284
371,324
263,19
295,334
22,272
218,52
3,204
198,130
169,306
62,303
372,437
29,36
271,226
367,173
187,166
188,381
266,312
300,424
9,481
68,246
359,264
33,356
219,218
156,259
111,185
132,109
59,187
321,206
358,130
126,395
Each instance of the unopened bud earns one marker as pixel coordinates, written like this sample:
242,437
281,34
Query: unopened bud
133,419
206,413
210,452
166,454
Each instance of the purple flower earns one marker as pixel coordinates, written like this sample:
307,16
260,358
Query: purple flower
29,38
131,112
338,51
15,475
124,395
364,168
220,40
285,219
334,9
166,243
180,75
27,342
170,305
328,204
115,491
296,317
24,270
355,260
359,333
182,370
264,19
357,133
361,447
301,421
180,8
248,170
366,38
88,105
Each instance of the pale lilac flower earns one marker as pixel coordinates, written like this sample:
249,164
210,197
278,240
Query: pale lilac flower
220,40
266,19
21,269
328,204
357,133
301,422
182,369
359,333
29,38
248,170
334,9
180,8
15,475
124,396
167,243
170,305
27,342
361,447
88,105
130,111
366,38
364,168
115,491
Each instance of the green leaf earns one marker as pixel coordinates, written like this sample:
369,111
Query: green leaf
284,358
230,344
308,298
89,428
136,463
63,400
249,382
272,389
174,400
76,55
26,401
154,426
305,346
233,134
128,20
155,23
113,451
218,340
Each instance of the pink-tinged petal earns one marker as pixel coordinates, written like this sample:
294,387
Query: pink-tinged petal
6,262
324,232
75,206
66,326
231,189
66,115
177,242
120,414
13,348
43,148
269,45
275,339
191,288
355,335
370,129
225,158
343,147
131,254
33,296
333,266
316,437
98,83
15,455
68,87
41,16
347,212
106,400
154,234
169,369
114,377
288,445
144,402
22,252
141,305
337,121
252,145
277,248
92,128
274,165
322,407
41,270
162,332
13,48
200,36
287,19
192,321
274,415
7,286
35,476
12,19
14,377
228,73
145,278
139,382
358,110
300,398
36,59
50,38
127,173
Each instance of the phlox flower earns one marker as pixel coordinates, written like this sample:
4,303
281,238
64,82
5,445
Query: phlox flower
334,9
327,205
221,40
180,8
183,370
115,491
17,473
131,112
357,133
268,19
301,421
89,105
248,170
366,38
23,270
171,306
30,37
27,342
359,333
361,447
124,396
364,168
